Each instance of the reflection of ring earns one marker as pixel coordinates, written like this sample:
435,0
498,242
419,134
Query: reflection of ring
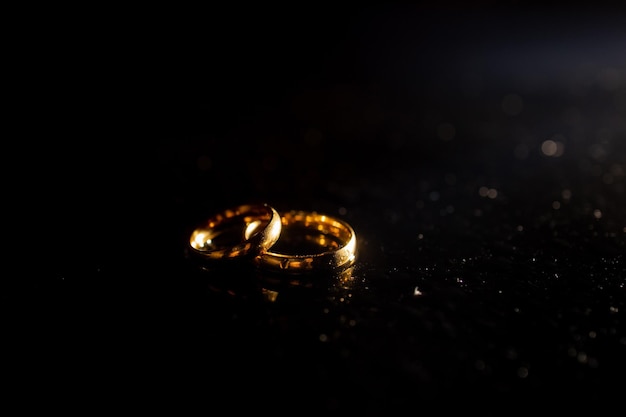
311,242
237,232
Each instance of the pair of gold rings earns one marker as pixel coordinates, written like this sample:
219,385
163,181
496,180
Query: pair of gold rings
293,242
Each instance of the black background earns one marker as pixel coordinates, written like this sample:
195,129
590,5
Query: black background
149,121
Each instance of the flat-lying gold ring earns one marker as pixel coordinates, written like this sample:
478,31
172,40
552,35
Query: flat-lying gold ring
246,230
333,241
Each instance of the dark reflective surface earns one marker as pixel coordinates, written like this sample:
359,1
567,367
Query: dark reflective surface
479,154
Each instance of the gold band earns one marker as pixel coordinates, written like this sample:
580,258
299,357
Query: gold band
246,230
310,242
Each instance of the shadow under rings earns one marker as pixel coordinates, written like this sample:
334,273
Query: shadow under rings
246,281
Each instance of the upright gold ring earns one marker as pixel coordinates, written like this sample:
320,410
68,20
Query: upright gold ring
246,230
310,242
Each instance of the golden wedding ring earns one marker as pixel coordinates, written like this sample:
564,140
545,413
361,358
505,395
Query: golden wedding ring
310,242
246,230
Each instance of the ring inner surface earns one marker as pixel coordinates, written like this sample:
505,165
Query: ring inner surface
299,239
221,237
230,230
310,234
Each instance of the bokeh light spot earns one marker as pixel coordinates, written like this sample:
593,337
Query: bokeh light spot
552,148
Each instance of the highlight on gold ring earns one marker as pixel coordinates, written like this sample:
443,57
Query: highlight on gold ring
310,242
245,230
